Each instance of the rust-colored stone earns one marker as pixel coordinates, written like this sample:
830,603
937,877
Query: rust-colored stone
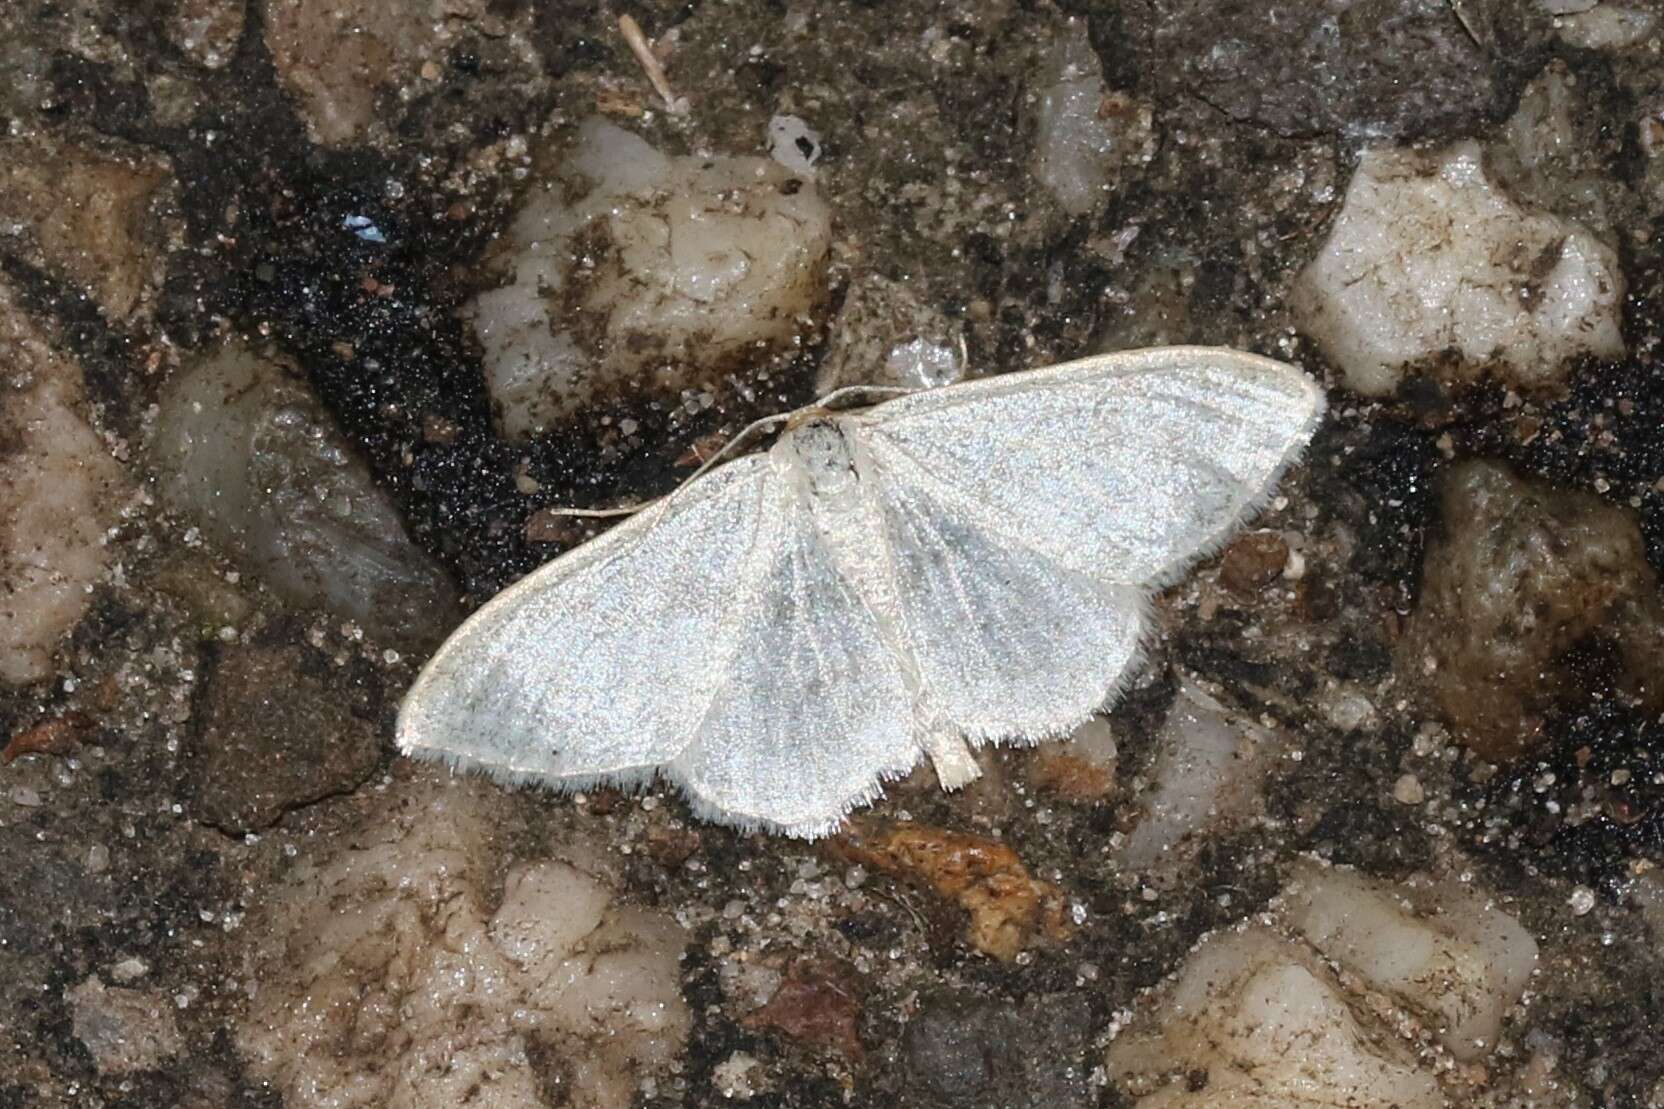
817,1005
58,736
1008,907
604,800
1070,776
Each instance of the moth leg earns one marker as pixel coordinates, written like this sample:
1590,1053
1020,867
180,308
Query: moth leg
950,756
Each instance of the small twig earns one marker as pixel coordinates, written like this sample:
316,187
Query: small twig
1462,18
642,48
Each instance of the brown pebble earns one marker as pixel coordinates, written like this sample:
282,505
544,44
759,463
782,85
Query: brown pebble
1521,578
671,845
1253,562
817,1005
277,729
604,800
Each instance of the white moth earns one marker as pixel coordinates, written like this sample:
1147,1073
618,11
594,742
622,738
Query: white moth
959,566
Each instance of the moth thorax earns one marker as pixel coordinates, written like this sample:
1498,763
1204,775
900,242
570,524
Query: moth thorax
821,456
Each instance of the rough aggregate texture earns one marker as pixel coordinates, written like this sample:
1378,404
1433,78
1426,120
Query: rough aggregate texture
124,1030
95,217
398,975
1367,67
629,270
226,173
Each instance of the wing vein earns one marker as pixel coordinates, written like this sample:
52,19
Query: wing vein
755,562
986,514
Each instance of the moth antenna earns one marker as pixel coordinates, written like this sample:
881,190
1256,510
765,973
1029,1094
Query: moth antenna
720,456
762,424
876,391
597,513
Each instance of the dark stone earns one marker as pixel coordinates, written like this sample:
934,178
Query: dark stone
276,735
1366,68
969,1051
44,890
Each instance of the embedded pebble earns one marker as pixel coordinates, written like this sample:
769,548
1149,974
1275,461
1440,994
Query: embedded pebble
1008,908
817,1005
1347,709
887,334
129,970
95,215
402,970
1259,1016
1430,257
57,735
123,1030
1208,768
343,59
1255,1019
987,1053
1553,154
734,1077
207,30
246,452
1080,768
1087,136
60,494
1253,561
1608,26
636,268
1439,947
1519,574
794,144
1407,790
